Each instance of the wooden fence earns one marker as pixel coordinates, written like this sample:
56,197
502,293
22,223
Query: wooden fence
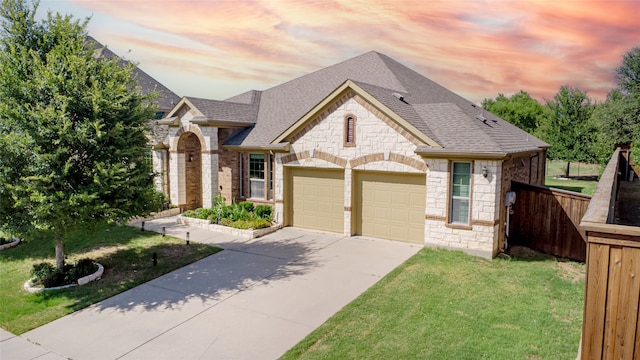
610,327
546,220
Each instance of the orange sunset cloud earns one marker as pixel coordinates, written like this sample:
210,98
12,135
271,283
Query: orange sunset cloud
217,49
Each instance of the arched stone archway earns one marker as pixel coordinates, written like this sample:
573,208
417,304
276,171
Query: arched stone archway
189,149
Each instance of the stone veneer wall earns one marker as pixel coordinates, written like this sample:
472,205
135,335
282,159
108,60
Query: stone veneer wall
481,236
382,146
320,144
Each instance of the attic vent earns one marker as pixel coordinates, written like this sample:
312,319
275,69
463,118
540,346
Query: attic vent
481,118
399,97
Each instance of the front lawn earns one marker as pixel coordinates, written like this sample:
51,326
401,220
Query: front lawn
125,252
448,305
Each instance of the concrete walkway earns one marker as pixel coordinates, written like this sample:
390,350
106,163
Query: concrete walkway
254,300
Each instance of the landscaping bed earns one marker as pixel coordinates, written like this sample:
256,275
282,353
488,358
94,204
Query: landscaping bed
242,219
126,253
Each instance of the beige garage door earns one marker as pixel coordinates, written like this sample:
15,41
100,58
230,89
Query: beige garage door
390,206
317,199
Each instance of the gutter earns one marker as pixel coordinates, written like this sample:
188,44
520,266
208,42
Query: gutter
281,147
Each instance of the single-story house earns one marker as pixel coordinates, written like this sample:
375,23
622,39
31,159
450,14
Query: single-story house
364,147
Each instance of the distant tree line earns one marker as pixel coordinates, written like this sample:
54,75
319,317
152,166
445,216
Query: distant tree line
577,128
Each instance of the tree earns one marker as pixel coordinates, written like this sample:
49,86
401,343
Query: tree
520,109
567,126
72,129
628,74
618,118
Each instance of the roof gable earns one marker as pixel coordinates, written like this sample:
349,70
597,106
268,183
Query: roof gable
343,89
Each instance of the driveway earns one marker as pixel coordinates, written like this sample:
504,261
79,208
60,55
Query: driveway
254,300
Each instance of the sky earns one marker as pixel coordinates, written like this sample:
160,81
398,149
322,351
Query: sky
478,49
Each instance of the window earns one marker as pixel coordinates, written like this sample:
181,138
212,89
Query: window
350,130
460,193
256,176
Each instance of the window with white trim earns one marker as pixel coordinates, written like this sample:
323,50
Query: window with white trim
460,193
256,176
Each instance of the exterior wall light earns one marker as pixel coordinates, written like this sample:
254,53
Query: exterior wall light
190,157
485,171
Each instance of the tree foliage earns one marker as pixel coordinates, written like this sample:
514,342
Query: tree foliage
567,126
72,129
618,118
520,110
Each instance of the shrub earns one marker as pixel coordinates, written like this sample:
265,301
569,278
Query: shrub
250,224
247,205
160,200
189,213
264,212
237,212
47,275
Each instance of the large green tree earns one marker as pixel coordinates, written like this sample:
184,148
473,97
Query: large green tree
72,129
520,109
618,118
567,126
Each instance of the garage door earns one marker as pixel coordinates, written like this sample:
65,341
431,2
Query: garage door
390,206
317,199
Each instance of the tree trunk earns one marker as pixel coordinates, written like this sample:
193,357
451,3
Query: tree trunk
566,173
59,251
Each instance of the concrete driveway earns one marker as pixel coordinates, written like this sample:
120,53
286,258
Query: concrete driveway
254,300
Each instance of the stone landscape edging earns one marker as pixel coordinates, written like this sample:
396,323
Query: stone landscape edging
206,224
14,242
28,285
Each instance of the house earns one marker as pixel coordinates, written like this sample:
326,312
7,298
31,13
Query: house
364,147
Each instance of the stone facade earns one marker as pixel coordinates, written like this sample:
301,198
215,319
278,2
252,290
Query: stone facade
381,145
480,237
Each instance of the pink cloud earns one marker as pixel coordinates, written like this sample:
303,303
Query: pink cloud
476,48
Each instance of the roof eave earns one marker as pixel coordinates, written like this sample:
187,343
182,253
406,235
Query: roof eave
222,123
280,147
461,155
171,121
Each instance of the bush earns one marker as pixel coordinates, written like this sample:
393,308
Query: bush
160,201
250,224
47,275
247,205
264,212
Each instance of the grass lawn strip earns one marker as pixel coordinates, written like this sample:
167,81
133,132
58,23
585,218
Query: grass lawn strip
580,186
448,305
125,252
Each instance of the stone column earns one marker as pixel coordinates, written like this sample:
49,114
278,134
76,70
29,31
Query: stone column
278,190
348,179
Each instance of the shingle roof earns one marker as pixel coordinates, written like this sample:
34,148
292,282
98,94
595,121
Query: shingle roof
166,99
434,110
225,110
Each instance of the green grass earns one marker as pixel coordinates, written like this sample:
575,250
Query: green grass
125,252
448,305
581,186
558,168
